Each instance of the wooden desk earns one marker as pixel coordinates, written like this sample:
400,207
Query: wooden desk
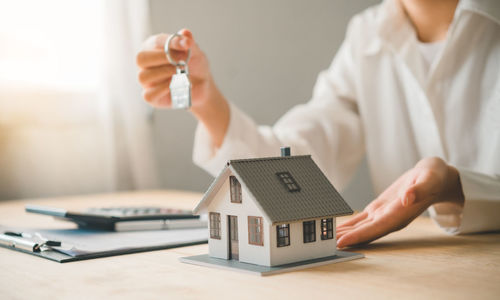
418,262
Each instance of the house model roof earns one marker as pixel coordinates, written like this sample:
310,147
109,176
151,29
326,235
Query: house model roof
315,198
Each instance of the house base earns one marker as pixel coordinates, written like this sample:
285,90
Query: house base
206,260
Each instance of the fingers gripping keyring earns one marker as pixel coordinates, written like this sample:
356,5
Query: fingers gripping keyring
180,86
180,63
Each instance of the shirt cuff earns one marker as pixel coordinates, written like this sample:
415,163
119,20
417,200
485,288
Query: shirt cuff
213,159
448,216
481,206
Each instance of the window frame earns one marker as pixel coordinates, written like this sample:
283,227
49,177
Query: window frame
215,225
235,190
309,231
288,181
283,241
255,229
326,227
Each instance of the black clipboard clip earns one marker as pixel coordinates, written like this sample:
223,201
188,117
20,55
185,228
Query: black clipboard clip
27,241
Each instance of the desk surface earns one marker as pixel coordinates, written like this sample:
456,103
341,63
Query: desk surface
417,262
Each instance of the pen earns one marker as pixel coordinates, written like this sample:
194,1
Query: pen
25,241
19,242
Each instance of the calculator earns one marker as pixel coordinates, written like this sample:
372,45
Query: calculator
124,218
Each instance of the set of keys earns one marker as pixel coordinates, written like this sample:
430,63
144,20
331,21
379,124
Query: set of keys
180,86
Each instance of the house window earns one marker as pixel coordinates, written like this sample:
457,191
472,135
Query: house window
309,229
255,235
288,182
327,229
235,190
214,225
283,235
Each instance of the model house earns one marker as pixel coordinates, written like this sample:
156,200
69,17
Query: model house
272,211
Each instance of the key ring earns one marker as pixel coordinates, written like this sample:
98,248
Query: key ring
180,63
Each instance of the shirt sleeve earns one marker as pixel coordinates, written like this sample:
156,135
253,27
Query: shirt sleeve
328,127
481,209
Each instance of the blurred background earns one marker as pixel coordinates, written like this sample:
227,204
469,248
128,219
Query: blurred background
72,119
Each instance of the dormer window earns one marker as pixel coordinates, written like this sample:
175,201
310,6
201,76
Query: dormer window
235,187
288,181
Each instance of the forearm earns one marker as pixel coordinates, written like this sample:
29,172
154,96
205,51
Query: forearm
214,114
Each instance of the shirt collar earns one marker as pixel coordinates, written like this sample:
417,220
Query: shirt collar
394,29
487,8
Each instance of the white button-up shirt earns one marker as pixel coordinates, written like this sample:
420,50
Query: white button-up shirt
380,99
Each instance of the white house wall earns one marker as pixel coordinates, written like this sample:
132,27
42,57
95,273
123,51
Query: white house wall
221,203
298,250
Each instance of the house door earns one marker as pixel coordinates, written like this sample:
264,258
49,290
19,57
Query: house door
233,237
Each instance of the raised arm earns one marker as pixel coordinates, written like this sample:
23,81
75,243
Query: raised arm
327,127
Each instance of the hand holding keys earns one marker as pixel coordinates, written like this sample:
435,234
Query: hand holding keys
167,82
180,86
163,67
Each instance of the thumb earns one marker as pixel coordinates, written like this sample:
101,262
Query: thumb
179,43
408,197
421,189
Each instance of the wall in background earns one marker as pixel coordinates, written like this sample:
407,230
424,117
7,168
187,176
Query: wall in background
265,57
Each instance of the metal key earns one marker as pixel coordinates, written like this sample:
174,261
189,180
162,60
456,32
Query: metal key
180,89
180,86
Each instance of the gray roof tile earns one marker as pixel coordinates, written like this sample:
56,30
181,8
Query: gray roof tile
317,197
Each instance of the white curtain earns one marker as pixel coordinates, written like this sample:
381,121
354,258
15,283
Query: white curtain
127,26
72,119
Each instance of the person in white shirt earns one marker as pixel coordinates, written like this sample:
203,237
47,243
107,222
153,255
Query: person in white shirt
415,87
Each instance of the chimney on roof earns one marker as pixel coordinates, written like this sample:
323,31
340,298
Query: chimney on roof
285,151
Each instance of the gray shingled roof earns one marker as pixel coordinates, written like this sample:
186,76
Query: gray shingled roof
317,196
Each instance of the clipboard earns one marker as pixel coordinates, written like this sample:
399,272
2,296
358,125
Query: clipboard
83,244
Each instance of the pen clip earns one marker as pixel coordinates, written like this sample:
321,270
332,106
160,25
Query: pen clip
47,242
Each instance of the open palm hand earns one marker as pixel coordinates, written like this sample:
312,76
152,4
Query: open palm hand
429,182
